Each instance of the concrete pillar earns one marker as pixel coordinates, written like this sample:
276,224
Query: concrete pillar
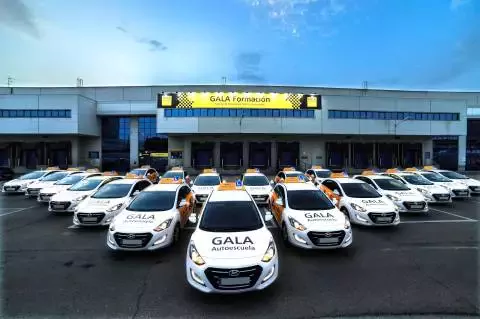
75,151
216,156
133,142
187,153
349,159
273,156
427,150
462,152
246,154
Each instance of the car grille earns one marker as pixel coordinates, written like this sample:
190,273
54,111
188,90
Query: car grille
59,205
201,198
474,188
326,238
376,217
215,276
416,205
260,198
441,197
11,188
88,218
459,192
33,191
144,239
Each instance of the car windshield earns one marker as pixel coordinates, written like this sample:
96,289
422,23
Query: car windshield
434,177
207,180
86,185
255,181
70,180
417,180
153,201
173,174
231,216
308,200
390,184
293,174
360,190
323,174
139,172
453,175
54,177
32,175
113,191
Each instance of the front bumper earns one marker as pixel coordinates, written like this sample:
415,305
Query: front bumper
460,193
438,198
62,207
32,192
412,206
44,198
474,190
376,219
126,241
13,189
211,279
309,239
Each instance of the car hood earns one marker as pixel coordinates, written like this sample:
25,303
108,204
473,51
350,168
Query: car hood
232,245
452,185
410,195
54,189
41,184
259,190
128,221
319,220
434,189
66,195
203,189
381,204
18,182
470,182
100,204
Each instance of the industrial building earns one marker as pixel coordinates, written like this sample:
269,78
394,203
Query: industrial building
235,127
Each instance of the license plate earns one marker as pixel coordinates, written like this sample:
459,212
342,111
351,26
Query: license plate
9,188
46,198
132,241
462,193
383,219
89,219
56,206
327,240
416,206
234,281
443,197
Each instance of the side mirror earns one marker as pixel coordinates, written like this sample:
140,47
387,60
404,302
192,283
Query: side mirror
336,192
182,203
268,216
279,202
135,193
272,182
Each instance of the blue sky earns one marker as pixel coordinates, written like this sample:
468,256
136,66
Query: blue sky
399,44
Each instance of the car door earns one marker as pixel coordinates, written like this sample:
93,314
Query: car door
332,190
185,204
278,203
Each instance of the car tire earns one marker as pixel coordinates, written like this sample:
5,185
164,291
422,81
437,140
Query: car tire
346,213
285,236
176,234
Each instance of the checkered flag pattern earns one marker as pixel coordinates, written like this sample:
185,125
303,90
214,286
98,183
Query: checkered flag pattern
184,102
295,100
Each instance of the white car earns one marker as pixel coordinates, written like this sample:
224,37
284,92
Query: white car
307,217
432,193
472,184
68,199
45,182
101,207
360,202
179,173
317,174
205,183
231,249
457,190
46,194
153,219
257,185
405,198
20,185
287,172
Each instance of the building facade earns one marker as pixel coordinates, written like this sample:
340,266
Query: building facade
235,127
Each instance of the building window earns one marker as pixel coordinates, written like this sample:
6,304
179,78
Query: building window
6,113
241,113
412,116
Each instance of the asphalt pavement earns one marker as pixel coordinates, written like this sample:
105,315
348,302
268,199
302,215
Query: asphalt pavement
426,265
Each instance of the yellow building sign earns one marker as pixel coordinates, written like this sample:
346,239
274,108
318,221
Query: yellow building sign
238,100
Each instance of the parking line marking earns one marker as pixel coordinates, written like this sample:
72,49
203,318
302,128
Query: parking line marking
442,211
432,248
439,221
17,211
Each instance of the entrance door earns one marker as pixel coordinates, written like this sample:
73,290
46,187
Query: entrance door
31,160
231,155
202,155
337,155
411,154
288,154
387,155
445,153
362,154
259,155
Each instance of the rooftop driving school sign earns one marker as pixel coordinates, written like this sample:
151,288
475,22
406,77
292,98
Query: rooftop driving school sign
239,100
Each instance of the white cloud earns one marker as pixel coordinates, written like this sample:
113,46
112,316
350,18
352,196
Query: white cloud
455,4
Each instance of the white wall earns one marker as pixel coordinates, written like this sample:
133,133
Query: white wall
88,122
127,108
88,144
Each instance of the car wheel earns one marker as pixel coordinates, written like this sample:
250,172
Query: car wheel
285,235
176,234
345,211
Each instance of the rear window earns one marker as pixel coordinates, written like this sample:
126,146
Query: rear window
255,181
207,180
308,200
231,216
54,177
153,201
323,174
139,172
171,174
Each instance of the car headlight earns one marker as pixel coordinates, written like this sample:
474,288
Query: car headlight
79,199
423,191
112,227
270,253
194,255
114,208
358,207
164,225
347,224
393,197
446,187
295,224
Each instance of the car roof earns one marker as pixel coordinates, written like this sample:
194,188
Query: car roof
299,186
208,174
346,180
163,187
130,181
292,172
253,174
101,177
376,176
230,196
